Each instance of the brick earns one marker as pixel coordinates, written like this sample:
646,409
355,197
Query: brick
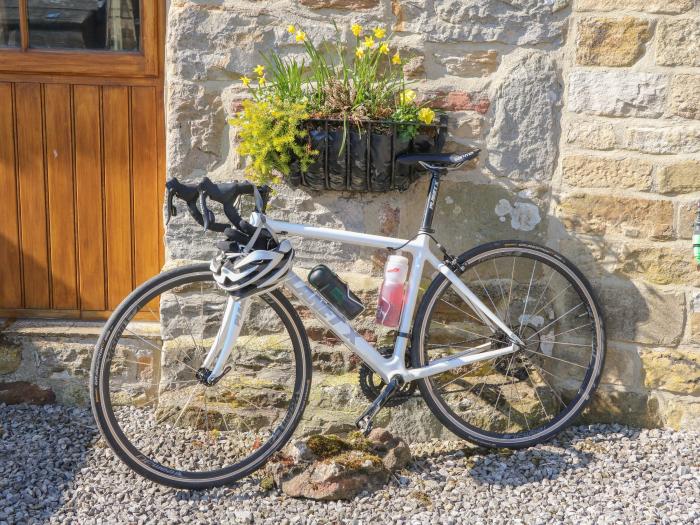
597,172
617,93
475,64
611,41
684,98
458,101
604,214
683,177
591,135
672,7
678,42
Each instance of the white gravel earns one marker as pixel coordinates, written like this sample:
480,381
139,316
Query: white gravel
54,470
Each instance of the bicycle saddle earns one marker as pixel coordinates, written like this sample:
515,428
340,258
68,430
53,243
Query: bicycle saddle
439,159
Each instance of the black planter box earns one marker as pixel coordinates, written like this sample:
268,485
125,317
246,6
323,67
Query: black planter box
363,158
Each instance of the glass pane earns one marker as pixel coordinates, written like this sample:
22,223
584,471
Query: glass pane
111,25
9,24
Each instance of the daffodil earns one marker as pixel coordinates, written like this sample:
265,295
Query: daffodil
259,70
359,52
261,81
396,59
380,32
384,48
245,80
369,42
407,96
301,36
426,115
291,29
356,29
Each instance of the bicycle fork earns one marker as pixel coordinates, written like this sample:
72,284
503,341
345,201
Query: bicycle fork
214,365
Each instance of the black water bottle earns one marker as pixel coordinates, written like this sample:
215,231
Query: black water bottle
335,291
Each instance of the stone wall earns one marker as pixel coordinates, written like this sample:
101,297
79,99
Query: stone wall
588,114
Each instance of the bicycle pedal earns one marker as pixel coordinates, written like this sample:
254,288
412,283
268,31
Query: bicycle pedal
364,422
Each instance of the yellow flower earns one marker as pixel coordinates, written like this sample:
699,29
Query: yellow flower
301,36
291,29
245,80
426,115
380,32
359,52
384,48
369,42
396,59
261,81
407,96
356,29
259,70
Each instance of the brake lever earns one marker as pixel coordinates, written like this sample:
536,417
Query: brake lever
170,209
207,214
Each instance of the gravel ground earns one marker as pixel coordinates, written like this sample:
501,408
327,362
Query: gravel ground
54,470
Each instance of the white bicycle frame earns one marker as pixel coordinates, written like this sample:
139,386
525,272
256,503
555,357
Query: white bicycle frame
387,369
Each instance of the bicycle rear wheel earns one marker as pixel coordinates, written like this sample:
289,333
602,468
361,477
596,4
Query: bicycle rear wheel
165,423
524,398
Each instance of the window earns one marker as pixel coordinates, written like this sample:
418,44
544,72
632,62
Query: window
53,36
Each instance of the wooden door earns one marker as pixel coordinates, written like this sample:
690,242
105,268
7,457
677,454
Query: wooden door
81,166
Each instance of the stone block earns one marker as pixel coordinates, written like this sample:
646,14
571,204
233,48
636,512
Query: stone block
465,125
614,404
676,411
522,142
685,218
340,4
597,172
457,101
642,313
611,41
603,214
525,22
678,42
671,7
591,135
658,264
474,64
676,371
10,356
684,98
662,141
622,367
617,93
683,177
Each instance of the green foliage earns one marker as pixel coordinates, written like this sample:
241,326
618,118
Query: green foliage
272,135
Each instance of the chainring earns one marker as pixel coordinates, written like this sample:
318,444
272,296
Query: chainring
372,385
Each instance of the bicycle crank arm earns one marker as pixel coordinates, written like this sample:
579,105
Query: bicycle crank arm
214,364
364,422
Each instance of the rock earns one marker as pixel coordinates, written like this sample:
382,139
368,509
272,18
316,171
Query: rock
676,371
18,392
662,141
671,7
686,213
10,356
683,177
465,125
603,214
525,22
684,99
599,172
340,4
333,468
658,264
521,143
474,64
456,101
678,42
611,41
614,404
617,93
591,135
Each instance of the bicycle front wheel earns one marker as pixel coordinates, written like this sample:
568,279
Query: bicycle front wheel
165,423
524,398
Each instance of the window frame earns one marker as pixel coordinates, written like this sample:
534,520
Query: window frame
98,63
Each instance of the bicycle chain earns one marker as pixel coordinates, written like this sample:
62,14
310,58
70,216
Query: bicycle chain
367,379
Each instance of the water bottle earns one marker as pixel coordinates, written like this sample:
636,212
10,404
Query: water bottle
393,291
335,291
696,236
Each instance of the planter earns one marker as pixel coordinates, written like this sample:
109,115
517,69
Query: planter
364,157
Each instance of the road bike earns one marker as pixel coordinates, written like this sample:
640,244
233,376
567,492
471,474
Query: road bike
194,387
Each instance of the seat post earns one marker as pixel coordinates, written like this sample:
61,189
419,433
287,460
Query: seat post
427,226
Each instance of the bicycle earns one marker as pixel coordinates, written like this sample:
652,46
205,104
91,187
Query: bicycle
506,347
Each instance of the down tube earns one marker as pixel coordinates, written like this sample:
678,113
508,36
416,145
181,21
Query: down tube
341,328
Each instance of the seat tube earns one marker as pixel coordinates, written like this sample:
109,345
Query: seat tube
427,226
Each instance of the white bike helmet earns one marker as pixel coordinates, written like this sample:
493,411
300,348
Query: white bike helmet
244,274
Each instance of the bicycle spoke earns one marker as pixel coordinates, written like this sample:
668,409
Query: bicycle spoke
529,287
557,319
555,358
